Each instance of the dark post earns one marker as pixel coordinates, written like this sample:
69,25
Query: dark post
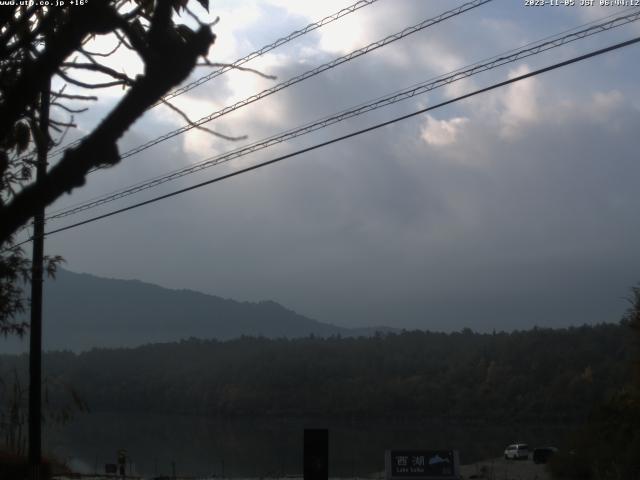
122,462
35,336
316,454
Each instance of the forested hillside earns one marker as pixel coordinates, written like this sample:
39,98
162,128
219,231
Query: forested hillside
129,313
541,374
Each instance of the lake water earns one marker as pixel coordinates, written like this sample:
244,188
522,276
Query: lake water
199,446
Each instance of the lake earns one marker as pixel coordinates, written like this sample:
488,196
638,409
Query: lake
199,446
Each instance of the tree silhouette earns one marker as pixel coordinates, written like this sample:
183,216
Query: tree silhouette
38,43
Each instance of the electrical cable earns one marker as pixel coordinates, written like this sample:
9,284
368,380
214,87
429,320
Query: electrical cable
464,72
347,136
250,56
308,74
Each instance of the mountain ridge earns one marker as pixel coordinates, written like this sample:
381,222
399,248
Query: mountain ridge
84,311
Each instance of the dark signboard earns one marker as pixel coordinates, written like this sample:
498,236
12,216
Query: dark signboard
422,464
316,454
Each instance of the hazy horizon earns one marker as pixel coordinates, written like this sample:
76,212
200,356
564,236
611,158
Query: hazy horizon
83,311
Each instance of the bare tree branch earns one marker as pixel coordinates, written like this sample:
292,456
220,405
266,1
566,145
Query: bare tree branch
96,67
58,142
70,110
138,11
8,48
163,46
123,40
62,124
96,17
200,127
135,36
207,63
100,54
74,97
78,83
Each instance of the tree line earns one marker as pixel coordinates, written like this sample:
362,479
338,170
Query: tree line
540,374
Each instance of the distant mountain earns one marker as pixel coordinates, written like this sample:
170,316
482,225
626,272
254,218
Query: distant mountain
83,311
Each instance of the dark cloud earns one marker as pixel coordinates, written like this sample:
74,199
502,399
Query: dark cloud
499,228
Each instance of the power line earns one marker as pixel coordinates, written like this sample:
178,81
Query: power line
250,56
464,72
268,48
308,74
350,135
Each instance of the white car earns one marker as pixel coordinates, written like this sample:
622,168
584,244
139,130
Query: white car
517,451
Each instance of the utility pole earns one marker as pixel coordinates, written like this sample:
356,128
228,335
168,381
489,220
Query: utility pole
37,266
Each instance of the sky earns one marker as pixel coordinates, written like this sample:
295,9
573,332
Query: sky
514,208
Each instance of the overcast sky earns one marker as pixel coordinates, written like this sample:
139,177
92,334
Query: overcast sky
512,209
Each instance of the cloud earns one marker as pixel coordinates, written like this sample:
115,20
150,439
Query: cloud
532,221
606,102
519,103
232,40
338,37
309,10
441,133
